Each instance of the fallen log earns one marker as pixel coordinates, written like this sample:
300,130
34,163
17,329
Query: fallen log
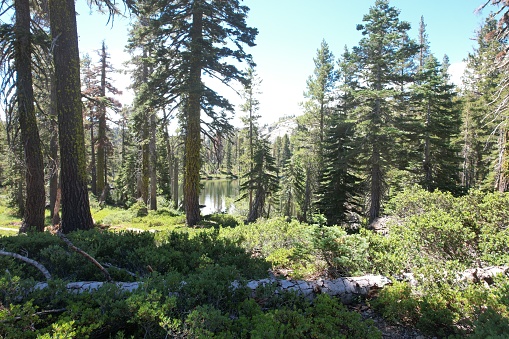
348,289
477,275
484,275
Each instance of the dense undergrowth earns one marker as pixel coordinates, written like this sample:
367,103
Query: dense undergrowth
187,274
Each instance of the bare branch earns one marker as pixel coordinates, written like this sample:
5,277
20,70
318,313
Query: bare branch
86,255
36,264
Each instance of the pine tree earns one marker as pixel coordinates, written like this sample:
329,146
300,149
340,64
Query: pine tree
292,188
190,39
379,57
310,134
262,179
250,107
439,115
339,186
480,86
319,87
499,34
75,204
34,172
99,91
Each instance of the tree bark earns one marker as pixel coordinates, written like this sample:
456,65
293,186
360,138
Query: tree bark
35,196
75,205
93,162
376,185
54,161
347,289
101,128
144,175
175,181
502,180
428,175
193,140
153,163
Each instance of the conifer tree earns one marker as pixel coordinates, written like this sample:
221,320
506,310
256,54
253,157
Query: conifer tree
190,41
34,173
319,87
292,188
499,34
250,107
99,91
262,179
480,86
18,56
339,186
439,115
75,204
379,55
311,130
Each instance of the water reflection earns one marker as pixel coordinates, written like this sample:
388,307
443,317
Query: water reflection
215,193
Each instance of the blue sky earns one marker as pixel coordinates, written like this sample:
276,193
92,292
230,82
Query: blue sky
290,31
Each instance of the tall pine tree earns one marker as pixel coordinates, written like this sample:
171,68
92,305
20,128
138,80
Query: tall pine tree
379,56
192,39
439,117
339,187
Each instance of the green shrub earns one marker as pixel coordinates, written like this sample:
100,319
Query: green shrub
397,303
344,254
491,325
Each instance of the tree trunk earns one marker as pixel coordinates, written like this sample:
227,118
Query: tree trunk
144,176
251,158
502,181
175,182
348,289
75,205
93,163
376,186
193,141
35,197
428,175
153,163
169,159
307,193
53,145
101,129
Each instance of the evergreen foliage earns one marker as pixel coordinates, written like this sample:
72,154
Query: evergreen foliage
382,49
200,46
438,124
481,83
262,180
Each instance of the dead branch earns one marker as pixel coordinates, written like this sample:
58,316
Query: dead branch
86,255
120,268
37,265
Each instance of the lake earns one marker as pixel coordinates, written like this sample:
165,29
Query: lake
217,195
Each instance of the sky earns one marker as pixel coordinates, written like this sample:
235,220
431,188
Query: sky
290,32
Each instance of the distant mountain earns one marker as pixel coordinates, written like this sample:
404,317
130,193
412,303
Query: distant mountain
285,125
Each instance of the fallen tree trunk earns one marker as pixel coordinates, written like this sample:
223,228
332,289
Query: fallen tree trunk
347,289
477,275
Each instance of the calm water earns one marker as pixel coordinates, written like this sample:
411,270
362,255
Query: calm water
215,193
